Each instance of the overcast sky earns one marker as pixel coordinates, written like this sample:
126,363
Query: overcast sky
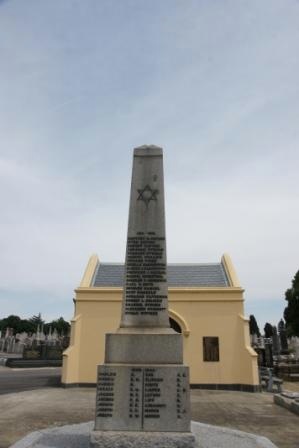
215,83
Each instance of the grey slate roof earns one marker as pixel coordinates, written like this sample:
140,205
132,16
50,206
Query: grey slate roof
210,274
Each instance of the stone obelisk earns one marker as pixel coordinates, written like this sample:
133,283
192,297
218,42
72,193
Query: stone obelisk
143,386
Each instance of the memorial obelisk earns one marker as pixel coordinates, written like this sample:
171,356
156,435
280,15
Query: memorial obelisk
143,386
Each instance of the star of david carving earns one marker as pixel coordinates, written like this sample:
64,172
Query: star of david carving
147,194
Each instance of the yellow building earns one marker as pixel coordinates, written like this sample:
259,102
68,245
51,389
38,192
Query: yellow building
205,304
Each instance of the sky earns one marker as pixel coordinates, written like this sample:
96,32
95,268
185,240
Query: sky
215,83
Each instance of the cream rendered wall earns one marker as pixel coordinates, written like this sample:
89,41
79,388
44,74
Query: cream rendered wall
199,311
216,312
71,356
101,311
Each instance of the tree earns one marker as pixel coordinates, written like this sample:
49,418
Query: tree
19,325
36,320
11,321
26,326
253,326
268,330
291,312
30,325
61,325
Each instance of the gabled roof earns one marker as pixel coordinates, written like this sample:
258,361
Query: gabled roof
179,275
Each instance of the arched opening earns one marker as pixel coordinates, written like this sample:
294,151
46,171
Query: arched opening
178,323
173,324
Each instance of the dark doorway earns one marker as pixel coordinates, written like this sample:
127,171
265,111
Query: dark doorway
175,325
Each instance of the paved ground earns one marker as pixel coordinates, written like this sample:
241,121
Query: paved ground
27,411
18,380
248,412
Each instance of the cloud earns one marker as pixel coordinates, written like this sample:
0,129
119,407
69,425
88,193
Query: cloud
215,84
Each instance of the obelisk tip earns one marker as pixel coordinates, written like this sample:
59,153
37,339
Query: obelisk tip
148,150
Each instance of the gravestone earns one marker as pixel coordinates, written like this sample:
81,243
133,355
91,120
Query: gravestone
143,386
268,353
275,342
283,338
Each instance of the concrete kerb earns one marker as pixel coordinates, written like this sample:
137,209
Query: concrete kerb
285,402
77,436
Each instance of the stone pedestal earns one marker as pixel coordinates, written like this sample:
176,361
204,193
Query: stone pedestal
143,386
120,439
148,397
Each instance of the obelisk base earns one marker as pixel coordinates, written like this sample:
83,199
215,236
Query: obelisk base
134,439
144,348
147,398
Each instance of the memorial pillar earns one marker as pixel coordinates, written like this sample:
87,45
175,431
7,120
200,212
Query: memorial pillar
145,301
143,386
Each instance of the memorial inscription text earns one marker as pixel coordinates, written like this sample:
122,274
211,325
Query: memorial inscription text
105,394
147,399
146,270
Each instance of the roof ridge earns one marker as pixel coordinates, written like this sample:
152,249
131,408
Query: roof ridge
112,263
